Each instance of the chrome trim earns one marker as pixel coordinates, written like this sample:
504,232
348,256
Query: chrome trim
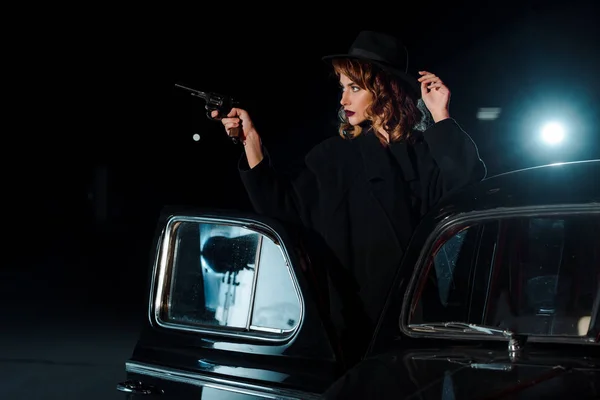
196,379
265,329
174,254
138,388
254,281
544,166
483,216
298,291
160,268
515,347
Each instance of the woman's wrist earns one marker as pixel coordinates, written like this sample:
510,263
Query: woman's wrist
253,148
440,116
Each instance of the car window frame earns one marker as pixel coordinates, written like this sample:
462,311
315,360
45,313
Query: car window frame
162,265
450,226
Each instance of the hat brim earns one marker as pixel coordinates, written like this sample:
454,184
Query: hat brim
408,79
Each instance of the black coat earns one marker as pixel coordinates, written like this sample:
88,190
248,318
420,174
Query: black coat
364,200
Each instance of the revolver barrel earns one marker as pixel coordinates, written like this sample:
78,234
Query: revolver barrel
194,92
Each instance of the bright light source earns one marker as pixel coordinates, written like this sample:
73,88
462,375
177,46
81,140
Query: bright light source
553,133
196,137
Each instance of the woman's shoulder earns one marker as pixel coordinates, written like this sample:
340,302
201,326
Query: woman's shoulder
333,161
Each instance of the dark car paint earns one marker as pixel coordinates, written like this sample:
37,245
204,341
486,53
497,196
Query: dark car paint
471,372
308,364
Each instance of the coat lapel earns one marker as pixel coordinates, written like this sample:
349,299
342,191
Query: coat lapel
376,162
388,183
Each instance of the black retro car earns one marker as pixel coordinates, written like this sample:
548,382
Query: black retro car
498,296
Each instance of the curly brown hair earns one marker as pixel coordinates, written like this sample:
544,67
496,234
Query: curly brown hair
394,107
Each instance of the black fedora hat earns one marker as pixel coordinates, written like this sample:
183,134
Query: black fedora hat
383,50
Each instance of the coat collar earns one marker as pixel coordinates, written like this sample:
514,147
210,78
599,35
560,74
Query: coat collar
375,156
380,161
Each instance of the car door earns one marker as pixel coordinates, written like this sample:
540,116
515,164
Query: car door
534,271
490,251
231,313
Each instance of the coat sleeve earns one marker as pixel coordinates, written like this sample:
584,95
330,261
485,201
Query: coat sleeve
288,199
445,160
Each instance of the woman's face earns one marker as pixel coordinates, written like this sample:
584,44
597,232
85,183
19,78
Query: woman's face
355,100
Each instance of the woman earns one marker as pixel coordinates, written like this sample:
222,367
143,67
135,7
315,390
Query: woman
363,191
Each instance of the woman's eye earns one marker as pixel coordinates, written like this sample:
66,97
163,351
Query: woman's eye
353,88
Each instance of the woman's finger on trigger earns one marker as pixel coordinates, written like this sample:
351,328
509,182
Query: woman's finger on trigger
233,113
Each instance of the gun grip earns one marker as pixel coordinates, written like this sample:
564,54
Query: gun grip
234,134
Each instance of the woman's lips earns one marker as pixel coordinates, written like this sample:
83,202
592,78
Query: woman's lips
349,113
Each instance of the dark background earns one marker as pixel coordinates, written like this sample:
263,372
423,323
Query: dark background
99,140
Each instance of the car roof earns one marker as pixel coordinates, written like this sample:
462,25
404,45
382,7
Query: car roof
552,184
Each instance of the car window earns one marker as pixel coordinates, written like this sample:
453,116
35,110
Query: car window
445,265
226,277
532,275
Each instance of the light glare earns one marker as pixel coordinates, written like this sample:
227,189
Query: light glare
553,133
488,113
